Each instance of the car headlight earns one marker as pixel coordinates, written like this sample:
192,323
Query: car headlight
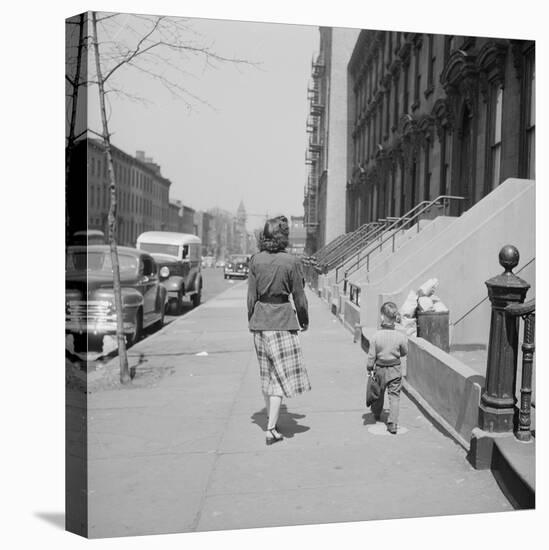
165,272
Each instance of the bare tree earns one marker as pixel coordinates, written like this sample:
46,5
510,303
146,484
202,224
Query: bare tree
74,80
161,48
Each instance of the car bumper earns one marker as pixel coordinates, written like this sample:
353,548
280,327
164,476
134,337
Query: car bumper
96,327
236,274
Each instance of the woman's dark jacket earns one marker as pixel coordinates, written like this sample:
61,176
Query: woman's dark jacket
272,278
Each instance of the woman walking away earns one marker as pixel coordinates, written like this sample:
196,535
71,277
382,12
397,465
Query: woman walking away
273,276
387,346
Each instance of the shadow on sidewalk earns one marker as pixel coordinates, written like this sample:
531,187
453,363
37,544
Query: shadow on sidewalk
368,418
287,423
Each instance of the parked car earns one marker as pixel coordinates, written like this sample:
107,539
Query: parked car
220,263
89,294
208,261
88,236
178,259
237,266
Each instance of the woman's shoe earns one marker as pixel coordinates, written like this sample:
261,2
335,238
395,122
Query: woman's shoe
275,436
392,428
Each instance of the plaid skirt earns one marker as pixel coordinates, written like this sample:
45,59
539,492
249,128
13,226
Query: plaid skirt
281,364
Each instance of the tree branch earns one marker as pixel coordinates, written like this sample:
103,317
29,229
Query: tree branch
135,52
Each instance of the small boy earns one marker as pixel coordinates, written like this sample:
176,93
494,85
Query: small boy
387,346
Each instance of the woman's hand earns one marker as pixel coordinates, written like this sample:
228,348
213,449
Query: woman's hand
304,328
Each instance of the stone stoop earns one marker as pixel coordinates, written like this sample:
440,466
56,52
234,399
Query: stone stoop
514,468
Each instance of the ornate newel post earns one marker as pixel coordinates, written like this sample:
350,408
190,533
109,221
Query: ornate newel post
497,410
497,407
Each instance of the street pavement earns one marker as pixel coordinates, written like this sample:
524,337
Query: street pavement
183,447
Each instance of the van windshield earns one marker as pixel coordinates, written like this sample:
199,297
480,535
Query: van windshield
159,248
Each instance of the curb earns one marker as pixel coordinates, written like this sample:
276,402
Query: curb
109,365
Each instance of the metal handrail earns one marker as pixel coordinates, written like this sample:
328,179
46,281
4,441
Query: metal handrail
372,231
319,254
361,243
395,221
349,237
414,215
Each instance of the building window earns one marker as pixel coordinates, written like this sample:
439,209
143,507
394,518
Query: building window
387,111
395,105
406,98
443,162
431,58
427,173
414,191
393,184
531,116
376,70
495,118
417,78
447,47
390,49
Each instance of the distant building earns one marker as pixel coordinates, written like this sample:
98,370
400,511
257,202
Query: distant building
143,193
327,126
224,231
175,220
241,231
204,225
298,235
187,222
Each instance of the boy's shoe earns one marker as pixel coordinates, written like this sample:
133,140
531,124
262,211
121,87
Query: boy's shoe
392,428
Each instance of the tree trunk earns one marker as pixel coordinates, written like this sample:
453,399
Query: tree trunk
122,354
72,124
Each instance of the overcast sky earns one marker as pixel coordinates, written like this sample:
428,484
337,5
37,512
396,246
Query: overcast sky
251,145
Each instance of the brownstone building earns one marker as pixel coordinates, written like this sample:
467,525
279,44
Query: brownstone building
431,115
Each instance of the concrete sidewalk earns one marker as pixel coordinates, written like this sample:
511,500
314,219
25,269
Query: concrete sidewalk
186,451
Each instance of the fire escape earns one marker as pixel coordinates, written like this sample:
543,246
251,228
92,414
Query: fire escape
313,153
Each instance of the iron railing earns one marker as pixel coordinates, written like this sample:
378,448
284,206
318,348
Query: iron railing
411,218
358,239
326,249
527,312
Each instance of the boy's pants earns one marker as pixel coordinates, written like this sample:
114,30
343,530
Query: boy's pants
390,378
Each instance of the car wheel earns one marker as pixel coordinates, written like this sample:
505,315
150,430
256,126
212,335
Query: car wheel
131,339
177,305
196,298
160,322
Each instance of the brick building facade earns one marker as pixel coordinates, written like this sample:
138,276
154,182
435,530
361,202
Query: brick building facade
143,193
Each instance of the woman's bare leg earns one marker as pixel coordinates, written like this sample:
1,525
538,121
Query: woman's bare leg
267,400
274,411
